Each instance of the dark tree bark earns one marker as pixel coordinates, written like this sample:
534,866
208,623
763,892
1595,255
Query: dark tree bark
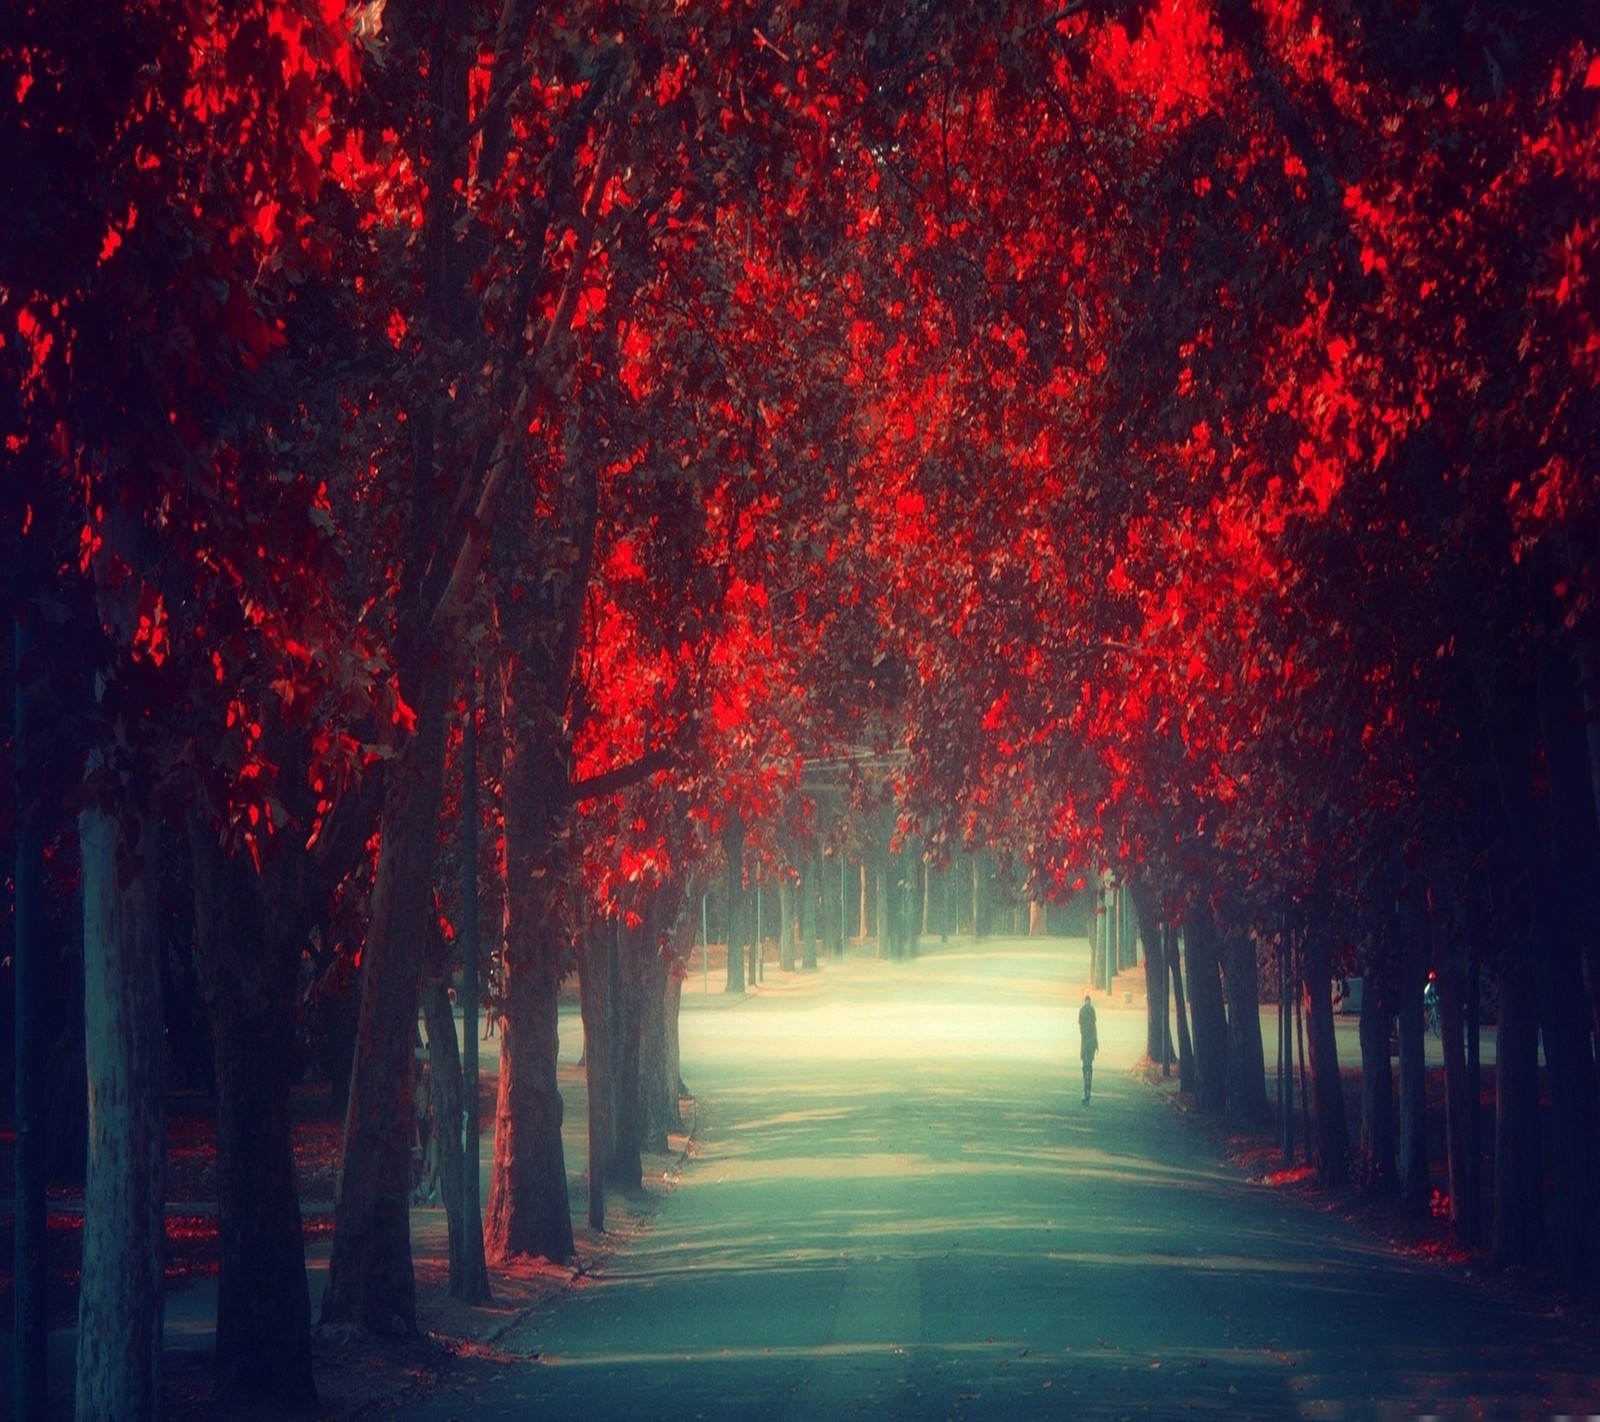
1247,1066
1157,1035
370,1278
29,960
1332,1138
249,936
1376,1152
1519,1228
1460,1097
1563,920
1210,1015
1411,979
529,1211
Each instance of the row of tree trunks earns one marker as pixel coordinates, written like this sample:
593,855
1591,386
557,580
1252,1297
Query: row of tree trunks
628,995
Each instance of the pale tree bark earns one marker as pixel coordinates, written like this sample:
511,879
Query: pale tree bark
738,909
1180,1009
785,923
119,1372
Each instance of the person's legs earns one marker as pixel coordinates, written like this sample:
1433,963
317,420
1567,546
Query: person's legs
1088,1076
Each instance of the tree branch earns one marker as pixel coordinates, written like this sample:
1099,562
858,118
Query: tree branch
608,782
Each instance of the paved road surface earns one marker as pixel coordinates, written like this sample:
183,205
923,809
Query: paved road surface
901,1209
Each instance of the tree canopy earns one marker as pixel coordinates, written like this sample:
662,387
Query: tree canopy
1160,432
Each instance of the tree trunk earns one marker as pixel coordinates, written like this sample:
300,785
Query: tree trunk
1564,918
445,1089
674,1053
29,1041
733,848
1210,1016
1186,1071
624,1168
658,1093
1157,1036
1460,1097
1332,1129
370,1277
596,1002
785,923
529,1210
1574,1110
810,906
1519,1230
119,1372
1247,1063
472,1284
250,963
1377,1168
1412,976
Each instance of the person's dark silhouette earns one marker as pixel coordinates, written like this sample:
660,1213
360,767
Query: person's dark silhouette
1088,1043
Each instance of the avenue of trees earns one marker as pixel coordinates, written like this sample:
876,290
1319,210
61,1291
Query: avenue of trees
478,475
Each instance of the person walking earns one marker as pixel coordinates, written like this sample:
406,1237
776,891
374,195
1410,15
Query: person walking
1088,1043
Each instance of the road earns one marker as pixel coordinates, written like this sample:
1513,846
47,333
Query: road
901,1208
